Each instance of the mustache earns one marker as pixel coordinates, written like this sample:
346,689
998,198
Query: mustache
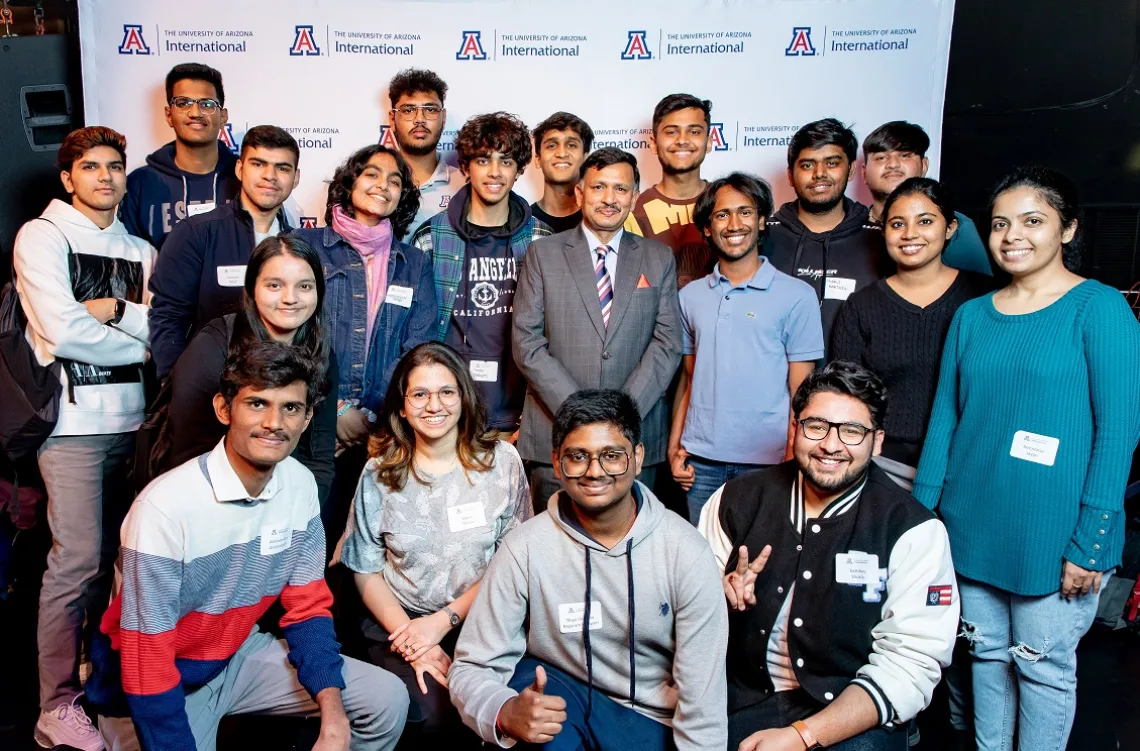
277,435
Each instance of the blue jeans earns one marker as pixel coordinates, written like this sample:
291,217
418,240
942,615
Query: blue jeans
707,477
610,727
1024,664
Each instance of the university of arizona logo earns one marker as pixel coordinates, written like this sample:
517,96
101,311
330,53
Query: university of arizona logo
801,45
387,137
307,222
133,42
226,136
716,135
304,43
444,200
636,48
471,48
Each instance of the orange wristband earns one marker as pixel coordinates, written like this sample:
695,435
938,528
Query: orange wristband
805,735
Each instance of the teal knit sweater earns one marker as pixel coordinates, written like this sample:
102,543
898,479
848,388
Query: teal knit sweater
1071,372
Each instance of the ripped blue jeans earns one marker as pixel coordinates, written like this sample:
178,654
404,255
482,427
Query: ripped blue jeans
1024,664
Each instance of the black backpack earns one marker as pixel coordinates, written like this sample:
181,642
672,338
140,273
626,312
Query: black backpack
30,392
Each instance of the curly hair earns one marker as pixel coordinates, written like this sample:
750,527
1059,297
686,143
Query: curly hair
412,80
495,131
340,187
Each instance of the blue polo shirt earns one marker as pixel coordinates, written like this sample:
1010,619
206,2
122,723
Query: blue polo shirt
743,338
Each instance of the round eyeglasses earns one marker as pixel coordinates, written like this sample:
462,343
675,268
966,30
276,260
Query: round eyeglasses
448,396
575,464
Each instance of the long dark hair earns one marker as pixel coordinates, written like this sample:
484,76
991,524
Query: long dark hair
311,338
923,186
340,187
1056,190
394,442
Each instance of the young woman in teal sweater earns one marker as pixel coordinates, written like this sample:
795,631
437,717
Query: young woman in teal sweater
1026,458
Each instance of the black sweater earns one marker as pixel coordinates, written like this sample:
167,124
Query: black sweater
194,429
902,343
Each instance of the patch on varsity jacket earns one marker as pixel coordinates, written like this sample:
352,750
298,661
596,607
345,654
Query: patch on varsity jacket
938,594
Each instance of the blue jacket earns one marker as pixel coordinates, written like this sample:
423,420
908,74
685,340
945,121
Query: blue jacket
187,275
158,193
397,329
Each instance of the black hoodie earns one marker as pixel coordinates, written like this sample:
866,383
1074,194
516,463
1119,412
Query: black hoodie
159,193
834,263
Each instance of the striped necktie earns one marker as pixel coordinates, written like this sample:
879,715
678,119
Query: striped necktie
605,289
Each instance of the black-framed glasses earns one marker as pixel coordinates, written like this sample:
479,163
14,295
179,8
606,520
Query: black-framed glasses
574,464
448,396
850,433
185,103
408,111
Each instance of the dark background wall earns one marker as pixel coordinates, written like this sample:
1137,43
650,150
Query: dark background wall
1048,81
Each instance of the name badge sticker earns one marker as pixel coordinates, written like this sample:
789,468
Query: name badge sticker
466,516
1032,447
194,209
231,276
571,615
275,539
485,370
855,568
838,288
398,295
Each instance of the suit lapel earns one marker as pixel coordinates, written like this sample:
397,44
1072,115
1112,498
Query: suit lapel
578,259
629,271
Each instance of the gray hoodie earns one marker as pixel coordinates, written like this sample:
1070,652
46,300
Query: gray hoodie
659,647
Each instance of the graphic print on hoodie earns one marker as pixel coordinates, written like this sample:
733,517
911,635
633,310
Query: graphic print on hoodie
160,195
834,263
480,326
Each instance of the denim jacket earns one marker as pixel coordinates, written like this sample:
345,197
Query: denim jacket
397,329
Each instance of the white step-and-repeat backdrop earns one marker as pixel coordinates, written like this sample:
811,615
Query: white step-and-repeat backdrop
320,69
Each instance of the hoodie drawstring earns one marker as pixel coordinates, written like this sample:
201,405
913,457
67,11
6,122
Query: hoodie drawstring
632,631
586,639
186,195
826,247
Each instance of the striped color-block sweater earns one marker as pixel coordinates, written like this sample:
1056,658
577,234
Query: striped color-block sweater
202,562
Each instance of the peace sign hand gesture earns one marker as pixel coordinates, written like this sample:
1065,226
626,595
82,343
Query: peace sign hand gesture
740,585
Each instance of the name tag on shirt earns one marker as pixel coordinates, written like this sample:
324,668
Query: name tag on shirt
231,276
838,288
485,370
1032,447
195,209
465,516
275,539
856,568
571,615
398,295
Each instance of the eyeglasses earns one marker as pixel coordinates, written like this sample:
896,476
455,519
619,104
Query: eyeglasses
408,111
419,398
850,433
185,103
577,463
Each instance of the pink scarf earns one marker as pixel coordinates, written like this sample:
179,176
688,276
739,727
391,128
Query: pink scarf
374,244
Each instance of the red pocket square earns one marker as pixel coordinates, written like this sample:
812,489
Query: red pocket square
642,282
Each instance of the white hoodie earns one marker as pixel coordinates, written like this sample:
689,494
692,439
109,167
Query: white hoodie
60,326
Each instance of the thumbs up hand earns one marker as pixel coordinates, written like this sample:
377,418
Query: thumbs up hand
532,716
740,585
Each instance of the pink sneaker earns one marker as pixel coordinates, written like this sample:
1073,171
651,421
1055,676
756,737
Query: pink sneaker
68,725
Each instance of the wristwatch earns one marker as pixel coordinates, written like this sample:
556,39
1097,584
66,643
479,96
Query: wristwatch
805,735
120,311
452,616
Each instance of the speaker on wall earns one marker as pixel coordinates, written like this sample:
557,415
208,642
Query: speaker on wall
40,102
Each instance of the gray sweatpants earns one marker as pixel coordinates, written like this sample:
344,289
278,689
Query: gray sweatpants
88,497
260,680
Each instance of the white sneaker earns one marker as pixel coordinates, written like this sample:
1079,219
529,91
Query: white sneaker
68,725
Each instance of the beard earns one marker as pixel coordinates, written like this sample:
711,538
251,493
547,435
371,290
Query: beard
821,206
833,484
417,149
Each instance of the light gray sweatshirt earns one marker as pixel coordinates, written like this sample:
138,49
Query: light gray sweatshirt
660,624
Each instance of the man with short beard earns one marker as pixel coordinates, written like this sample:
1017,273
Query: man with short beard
841,624
744,317
417,119
823,237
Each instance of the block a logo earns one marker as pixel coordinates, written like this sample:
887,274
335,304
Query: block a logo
133,42
800,45
226,136
636,48
304,43
387,137
307,222
471,48
716,135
